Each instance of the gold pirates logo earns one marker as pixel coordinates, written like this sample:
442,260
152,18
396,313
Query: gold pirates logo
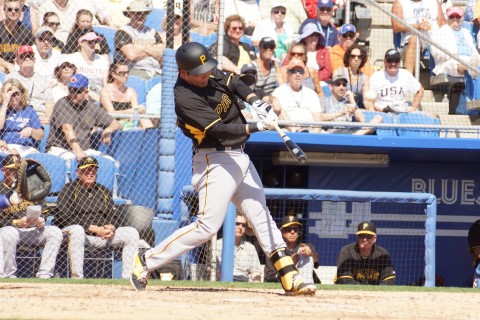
365,226
203,58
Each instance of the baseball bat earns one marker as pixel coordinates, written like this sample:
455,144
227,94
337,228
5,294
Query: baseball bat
294,149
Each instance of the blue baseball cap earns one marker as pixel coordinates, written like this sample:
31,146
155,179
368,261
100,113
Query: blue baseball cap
325,3
347,27
78,81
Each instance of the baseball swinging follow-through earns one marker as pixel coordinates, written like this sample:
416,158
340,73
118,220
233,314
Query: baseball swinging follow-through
208,113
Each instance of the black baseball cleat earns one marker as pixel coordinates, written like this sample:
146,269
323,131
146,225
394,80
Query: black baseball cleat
300,287
139,276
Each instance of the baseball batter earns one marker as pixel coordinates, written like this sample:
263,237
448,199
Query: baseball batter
208,113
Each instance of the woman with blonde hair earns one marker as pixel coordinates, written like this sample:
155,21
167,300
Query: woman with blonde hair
116,97
20,126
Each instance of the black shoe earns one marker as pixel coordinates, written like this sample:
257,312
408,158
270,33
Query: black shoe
139,276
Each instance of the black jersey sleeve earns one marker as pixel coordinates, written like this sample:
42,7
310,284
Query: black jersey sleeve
387,273
474,236
345,266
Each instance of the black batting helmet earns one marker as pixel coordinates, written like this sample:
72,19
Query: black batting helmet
194,58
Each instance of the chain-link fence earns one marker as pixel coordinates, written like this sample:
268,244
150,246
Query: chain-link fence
126,120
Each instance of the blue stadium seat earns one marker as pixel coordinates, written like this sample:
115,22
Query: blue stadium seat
417,118
109,34
140,86
107,176
57,168
387,118
155,18
207,41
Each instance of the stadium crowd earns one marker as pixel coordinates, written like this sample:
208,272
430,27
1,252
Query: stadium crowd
72,65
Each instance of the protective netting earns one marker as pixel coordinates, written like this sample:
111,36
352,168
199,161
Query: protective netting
149,159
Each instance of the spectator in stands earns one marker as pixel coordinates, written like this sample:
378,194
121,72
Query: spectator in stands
47,57
347,37
51,20
246,265
16,229
248,10
177,30
85,213
323,23
37,85
82,26
318,56
354,60
90,64
138,43
13,34
299,51
341,106
74,118
203,16
474,248
298,103
116,97
235,52
303,254
422,15
66,10
276,28
295,11
392,86
20,127
269,75
364,262
453,33
63,73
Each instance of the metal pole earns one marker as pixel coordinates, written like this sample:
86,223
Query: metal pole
221,22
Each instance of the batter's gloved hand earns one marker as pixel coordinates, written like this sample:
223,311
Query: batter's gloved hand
264,110
266,124
33,182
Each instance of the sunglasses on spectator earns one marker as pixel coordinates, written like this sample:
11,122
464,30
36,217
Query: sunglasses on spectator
67,65
16,10
268,47
340,83
27,56
48,39
325,9
365,236
90,41
298,54
53,24
393,61
139,13
296,71
290,229
76,90
348,35
121,73
279,12
243,224
353,56
236,28
15,94
455,17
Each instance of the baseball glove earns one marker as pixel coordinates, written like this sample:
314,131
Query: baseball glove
33,182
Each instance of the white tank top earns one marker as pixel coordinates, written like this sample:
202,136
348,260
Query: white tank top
146,36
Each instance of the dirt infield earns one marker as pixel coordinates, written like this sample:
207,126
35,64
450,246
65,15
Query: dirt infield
83,301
